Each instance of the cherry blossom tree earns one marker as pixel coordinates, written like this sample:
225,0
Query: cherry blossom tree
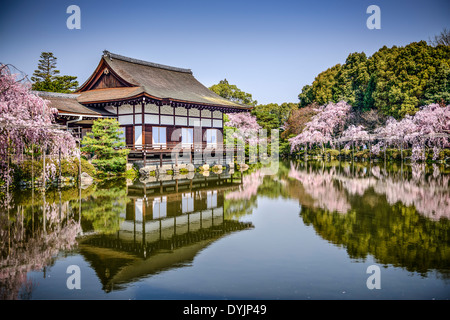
432,126
323,126
429,127
26,121
356,134
246,125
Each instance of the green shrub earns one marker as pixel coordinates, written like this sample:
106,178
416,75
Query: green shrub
23,171
444,154
87,167
107,146
362,154
110,166
131,174
332,152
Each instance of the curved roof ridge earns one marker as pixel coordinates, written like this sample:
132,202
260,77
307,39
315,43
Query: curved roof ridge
112,56
55,94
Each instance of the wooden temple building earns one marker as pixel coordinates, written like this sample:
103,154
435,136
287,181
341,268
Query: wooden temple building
150,101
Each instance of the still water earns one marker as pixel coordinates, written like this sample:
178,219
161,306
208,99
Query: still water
310,231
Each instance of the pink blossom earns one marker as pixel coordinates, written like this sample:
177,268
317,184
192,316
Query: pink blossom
246,125
25,120
322,126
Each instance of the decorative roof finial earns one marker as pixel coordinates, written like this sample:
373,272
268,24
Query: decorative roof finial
106,53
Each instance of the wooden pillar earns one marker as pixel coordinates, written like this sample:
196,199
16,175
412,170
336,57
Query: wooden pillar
175,225
144,246
160,159
143,125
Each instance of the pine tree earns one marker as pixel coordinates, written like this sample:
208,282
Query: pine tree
107,146
46,77
46,70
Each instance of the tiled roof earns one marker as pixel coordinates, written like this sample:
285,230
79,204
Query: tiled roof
67,103
156,80
107,94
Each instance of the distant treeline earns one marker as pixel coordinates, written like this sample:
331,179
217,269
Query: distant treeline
393,81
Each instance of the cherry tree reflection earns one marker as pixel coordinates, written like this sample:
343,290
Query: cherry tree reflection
31,235
242,200
400,215
321,187
248,188
332,188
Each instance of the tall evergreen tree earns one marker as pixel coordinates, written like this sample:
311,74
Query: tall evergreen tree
46,69
46,77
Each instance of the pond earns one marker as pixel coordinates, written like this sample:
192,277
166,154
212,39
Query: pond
316,230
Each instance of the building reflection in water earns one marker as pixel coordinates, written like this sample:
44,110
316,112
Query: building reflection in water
129,231
165,224
125,232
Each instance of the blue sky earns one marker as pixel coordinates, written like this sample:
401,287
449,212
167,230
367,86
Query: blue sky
270,49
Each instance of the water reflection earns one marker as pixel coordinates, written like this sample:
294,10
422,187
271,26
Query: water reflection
127,231
332,186
32,233
124,230
398,215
